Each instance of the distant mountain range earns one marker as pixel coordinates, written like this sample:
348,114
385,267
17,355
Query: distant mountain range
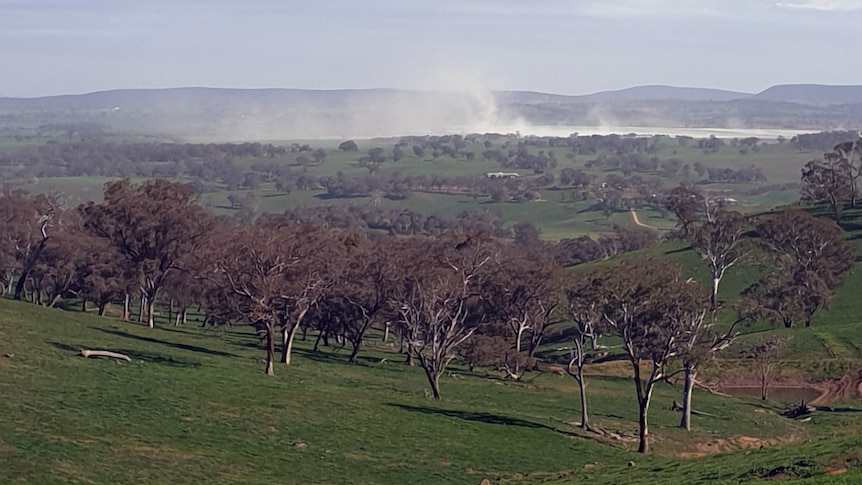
297,113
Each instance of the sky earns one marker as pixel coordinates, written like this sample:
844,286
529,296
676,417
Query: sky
50,47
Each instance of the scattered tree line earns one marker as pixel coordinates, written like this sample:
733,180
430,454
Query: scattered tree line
95,157
460,294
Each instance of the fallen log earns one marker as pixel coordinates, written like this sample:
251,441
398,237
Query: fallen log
104,353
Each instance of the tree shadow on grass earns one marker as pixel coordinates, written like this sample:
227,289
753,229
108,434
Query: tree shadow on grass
141,355
833,409
321,356
477,416
191,348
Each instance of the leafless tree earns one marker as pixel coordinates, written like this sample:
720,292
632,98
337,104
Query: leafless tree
438,302
721,242
639,305
583,311
524,294
766,363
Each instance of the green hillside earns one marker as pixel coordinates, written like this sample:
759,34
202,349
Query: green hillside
192,406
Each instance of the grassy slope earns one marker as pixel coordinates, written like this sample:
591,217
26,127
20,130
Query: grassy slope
194,406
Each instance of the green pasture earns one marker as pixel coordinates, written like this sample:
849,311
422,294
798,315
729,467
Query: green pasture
194,406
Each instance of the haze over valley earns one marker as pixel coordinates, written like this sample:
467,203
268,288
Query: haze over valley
283,114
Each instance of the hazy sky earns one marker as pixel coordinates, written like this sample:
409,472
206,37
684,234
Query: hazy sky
560,46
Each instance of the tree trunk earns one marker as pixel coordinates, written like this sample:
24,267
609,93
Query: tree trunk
386,332
644,393
22,279
434,381
355,352
409,360
288,334
83,305
517,373
713,299
643,427
102,307
582,387
270,351
127,310
534,346
690,375
151,309
53,301
593,339
141,306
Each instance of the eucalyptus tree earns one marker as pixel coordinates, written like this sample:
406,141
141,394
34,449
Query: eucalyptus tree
639,304
829,180
153,225
810,260
269,274
525,295
438,301
360,296
25,224
584,312
722,243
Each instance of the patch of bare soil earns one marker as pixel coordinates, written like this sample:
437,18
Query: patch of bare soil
721,445
848,387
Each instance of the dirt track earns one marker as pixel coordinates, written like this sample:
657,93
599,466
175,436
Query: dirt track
638,221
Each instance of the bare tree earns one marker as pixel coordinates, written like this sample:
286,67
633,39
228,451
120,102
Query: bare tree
583,311
24,226
248,279
639,305
766,363
829,180
438,302
851,152
721,242
524,294
363,291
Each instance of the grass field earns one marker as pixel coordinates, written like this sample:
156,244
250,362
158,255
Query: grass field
193,406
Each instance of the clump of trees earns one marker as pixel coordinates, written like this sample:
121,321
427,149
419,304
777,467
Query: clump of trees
834,180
